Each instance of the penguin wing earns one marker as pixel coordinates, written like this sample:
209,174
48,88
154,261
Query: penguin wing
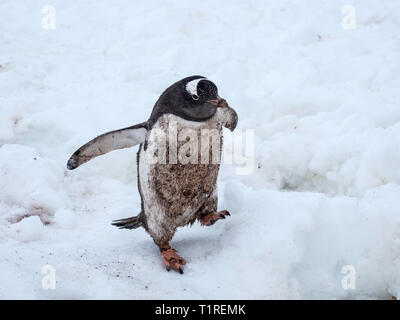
113,140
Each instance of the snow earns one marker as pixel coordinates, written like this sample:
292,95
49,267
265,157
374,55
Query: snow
65,218
322,101
29,229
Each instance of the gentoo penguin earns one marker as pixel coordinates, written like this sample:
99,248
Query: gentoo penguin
177,176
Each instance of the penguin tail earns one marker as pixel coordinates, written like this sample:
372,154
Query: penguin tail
129,223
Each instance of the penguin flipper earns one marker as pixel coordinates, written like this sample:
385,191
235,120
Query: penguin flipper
113,140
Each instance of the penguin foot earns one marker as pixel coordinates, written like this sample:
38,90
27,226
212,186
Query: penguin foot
210,218
172,260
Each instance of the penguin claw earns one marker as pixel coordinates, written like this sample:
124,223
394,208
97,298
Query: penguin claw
211,218
172,260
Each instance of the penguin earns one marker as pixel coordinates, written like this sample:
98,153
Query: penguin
177,169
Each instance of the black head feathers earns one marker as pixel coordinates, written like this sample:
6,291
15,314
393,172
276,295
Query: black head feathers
189,99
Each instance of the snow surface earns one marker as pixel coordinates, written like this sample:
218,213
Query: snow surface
324,104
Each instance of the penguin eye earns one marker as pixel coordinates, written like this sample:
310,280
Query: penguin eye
195,97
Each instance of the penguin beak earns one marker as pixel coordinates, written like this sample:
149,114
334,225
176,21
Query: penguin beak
229,116
219,102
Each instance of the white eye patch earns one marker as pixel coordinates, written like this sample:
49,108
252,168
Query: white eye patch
191,86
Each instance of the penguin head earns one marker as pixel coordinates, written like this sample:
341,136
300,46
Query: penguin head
199,91
193,98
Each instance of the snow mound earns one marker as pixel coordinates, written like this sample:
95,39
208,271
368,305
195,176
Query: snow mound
29,229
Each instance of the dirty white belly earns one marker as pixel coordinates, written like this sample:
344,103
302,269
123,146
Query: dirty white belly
173,193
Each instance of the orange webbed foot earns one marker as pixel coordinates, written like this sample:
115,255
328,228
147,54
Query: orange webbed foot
172,260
